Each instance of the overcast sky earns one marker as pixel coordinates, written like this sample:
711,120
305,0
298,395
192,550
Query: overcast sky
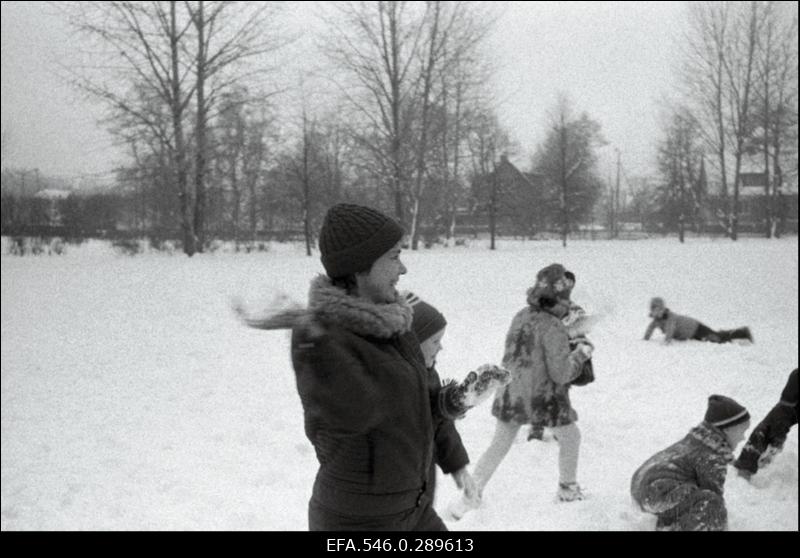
614,59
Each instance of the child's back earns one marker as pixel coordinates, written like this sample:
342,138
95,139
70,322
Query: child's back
683,484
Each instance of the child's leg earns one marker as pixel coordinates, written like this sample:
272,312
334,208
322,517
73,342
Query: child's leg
569,440
705,511
705,333
504,435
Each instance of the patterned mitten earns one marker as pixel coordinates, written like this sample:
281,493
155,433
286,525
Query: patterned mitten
482,383
479,385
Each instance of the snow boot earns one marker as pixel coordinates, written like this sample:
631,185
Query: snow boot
570,492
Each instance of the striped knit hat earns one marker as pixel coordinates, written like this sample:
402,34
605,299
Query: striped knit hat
427,319
724,412
353,237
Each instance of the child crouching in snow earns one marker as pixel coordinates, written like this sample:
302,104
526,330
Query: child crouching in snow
676,326
683,484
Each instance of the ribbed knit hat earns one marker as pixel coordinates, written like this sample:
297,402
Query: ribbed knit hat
353,237
723,412
427,319
657,301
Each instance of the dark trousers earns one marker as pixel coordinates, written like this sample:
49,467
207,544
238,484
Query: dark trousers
705,333
702,510
421,517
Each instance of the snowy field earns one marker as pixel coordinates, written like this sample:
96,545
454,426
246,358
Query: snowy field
132,398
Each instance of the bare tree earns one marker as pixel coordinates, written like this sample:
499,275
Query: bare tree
775,102
177,53
567,158
704,79
453,34
679,161
487,141
147,39
376,45
739,69
229,37
720,75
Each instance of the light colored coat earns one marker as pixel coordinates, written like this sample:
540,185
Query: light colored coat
674,326
538,355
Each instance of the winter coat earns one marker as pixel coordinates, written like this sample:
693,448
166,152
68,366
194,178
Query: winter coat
368,407
673,476
773,429
674,326
448,449
789,395
537,353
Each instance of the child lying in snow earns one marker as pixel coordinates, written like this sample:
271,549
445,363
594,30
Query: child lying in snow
676,326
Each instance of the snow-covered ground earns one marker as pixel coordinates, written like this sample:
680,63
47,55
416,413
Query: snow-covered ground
133,399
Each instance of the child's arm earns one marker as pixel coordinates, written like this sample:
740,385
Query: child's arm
670,325
650,330
711,473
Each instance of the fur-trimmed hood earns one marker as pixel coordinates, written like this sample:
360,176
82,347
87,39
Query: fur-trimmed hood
713,438
331,305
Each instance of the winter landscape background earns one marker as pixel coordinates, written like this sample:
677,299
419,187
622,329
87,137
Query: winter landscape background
133,399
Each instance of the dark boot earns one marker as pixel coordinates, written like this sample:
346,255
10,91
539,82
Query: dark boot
725,336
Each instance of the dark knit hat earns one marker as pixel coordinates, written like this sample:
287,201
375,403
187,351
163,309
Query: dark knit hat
353,237
724,412
657,302
427,319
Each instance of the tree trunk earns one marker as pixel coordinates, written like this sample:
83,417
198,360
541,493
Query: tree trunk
187,224
200,133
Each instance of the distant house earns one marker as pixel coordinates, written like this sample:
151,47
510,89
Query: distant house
753,203
514,197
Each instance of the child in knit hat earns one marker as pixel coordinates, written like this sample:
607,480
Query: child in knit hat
681,328
683,484
448,451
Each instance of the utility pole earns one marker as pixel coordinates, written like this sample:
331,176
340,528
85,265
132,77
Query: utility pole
616,197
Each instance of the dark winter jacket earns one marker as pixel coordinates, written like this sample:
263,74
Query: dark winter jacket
674,326
789,395
448,449
538,355
773,429
368,407
670,477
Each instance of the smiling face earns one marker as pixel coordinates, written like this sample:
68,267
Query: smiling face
431,347
379,284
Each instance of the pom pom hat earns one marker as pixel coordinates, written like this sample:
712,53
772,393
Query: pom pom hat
353,237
